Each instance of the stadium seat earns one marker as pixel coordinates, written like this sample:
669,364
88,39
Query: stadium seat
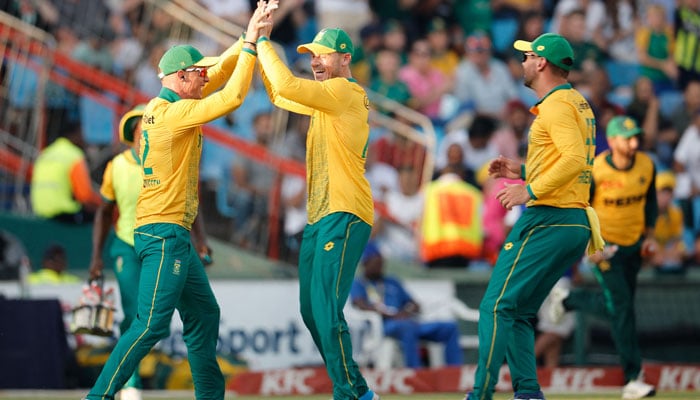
97,121
621,73
503,33
669,101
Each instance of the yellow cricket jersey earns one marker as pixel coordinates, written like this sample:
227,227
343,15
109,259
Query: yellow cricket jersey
561,149
669,226
171,145
337,138
121,184
625,200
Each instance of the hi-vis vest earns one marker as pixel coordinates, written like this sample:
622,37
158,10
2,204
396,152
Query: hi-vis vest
51,191
451,220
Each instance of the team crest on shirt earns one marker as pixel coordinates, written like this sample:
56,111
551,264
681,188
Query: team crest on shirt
119,264
508,246
176,267
329,246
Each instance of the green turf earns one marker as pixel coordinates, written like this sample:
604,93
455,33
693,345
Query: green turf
177,395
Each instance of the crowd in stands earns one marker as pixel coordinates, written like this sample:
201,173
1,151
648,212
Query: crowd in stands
450,61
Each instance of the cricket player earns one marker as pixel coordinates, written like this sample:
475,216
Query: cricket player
172,274
624,196
340,208
554,229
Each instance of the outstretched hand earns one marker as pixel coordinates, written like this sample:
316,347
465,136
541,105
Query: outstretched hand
260,23
504,168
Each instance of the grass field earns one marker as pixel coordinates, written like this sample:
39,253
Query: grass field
178,395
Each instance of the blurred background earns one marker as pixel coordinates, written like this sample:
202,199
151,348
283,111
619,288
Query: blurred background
446,96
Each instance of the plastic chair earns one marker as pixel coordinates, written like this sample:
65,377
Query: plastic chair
438,302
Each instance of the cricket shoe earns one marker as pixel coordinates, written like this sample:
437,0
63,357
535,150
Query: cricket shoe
370,395
637,389
130,393
529,396
556,306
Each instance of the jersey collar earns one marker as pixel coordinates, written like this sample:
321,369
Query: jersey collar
554,89
168,95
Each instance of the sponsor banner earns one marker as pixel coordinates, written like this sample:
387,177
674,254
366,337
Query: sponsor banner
260,320
308,381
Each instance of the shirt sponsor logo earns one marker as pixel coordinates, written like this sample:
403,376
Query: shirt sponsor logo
151,182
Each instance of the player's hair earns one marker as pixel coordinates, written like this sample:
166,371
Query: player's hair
560,72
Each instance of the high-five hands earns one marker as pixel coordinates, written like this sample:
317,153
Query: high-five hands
260,23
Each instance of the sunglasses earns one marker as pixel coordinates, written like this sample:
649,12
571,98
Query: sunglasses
526,55
202,71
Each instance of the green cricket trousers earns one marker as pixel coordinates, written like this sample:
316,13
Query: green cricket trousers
616,303
330,251
542,245
172,276
127,269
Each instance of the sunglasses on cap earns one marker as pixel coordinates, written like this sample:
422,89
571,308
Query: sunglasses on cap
202,71
527,55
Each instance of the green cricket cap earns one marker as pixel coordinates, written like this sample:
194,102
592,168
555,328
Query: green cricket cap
128,123
554,48
329,40
181,57
622,126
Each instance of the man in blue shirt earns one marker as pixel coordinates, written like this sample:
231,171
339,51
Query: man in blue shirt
386,295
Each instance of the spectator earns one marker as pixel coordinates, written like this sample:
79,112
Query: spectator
382,177
455,161
349,15
252,182
645,109
386,295
616,34
593,12
476,143
364,66
61,188
497,220
397,150
530,25
682,117
451,230
587,54
483,82
427,84
687,35
293,187
510,139
395,231
655,43
598,85
686,164
395,39
387,82
54,266
671,254
442,55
